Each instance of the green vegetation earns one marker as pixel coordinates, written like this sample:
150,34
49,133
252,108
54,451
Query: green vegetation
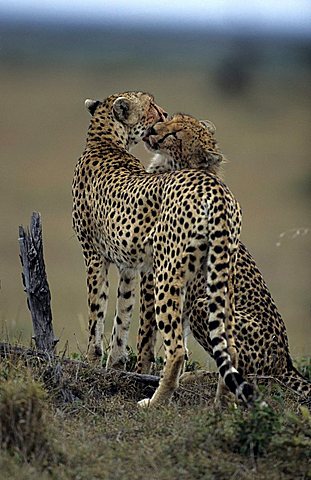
102,434
304,366
255,430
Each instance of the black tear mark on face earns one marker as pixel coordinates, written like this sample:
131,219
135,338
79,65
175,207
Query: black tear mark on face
156,144
173,134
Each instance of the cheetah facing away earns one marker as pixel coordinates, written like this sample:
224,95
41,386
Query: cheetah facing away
260,333
174,225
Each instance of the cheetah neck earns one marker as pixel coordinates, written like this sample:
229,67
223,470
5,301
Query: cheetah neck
161,163
110,142
105,129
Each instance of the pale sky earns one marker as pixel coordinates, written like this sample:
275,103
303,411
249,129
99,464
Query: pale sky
276,15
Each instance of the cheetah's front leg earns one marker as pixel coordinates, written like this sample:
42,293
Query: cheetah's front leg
125,302
97,284
148,327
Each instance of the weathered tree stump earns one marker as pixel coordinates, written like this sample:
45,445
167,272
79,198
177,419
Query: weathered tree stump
36,284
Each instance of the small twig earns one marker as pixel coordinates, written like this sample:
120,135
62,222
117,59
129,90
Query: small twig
90,411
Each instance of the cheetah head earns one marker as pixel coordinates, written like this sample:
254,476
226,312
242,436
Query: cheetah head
186,140
127,116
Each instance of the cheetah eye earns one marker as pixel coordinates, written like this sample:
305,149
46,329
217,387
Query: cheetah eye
170,134
173,134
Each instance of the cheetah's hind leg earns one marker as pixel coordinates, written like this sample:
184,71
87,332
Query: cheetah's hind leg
148,327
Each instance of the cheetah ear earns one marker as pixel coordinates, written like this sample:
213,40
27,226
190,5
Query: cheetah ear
91,105
206,159
212,158
121,108
209,125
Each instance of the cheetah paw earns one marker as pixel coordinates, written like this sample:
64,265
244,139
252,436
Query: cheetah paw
118,363
145,403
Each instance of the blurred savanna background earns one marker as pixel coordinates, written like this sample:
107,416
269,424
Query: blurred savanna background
245,67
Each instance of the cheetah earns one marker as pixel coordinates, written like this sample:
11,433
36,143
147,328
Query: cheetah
173,224
260,332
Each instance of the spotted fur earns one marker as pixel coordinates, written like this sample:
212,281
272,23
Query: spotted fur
173,225
260,333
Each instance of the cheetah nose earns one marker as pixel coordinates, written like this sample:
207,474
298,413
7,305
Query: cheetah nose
152,131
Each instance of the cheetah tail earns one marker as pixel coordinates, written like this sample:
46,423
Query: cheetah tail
221,313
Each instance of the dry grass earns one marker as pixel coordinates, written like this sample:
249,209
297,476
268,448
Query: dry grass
25,415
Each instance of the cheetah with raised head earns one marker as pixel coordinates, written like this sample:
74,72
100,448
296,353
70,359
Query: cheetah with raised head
173,224
261,338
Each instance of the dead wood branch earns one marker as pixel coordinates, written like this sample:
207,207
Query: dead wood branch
36,284
8,350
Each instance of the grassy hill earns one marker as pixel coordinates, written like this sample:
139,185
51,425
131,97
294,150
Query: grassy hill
101,434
